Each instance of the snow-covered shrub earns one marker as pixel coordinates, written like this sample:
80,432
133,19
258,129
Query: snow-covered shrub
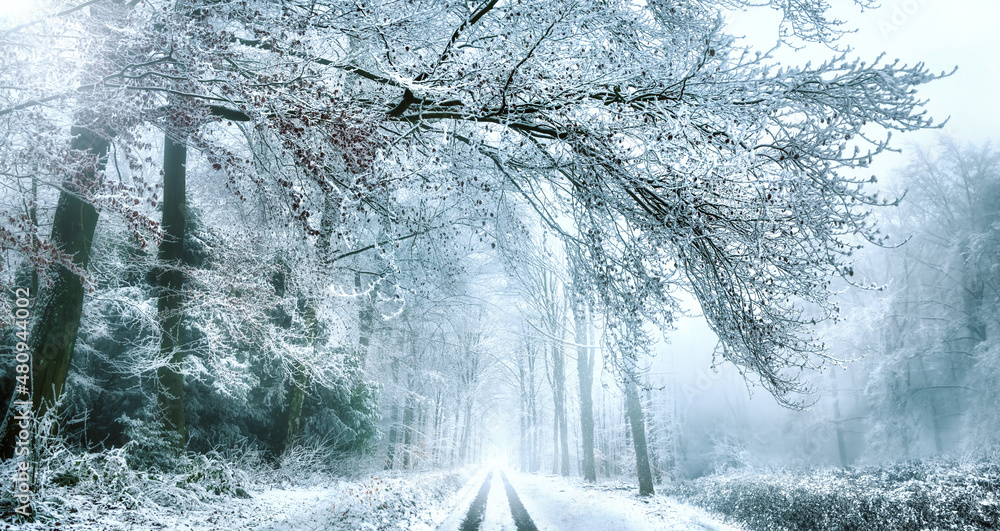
149,445
911,495
108,470
315,459
105,476
303,463
214,475
391,503
74,486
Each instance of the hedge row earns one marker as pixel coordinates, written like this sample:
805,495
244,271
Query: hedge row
904,496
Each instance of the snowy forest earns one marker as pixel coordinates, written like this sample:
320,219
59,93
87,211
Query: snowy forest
499,264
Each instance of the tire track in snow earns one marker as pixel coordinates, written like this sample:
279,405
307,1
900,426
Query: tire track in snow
474,519
521,518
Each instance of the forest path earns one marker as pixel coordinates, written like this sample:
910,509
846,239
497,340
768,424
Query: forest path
512,501
477,511
496,507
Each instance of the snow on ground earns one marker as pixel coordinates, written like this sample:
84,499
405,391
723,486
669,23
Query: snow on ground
80,511
418,502
561,504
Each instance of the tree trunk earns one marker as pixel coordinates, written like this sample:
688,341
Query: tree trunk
524,439
57,310
466,432
585,373
837,420
905,436
170,391
522,447
534,460
300,377
455,441
555,443
634,407
653,437
408,419
296,398
559,367
33,216
932,403
674,442
390,456
437,432
365,313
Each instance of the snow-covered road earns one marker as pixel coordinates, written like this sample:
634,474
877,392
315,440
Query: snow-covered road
560,504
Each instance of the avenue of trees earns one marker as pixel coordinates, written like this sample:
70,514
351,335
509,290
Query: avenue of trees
248,220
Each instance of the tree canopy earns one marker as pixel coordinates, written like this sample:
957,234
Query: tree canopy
665,155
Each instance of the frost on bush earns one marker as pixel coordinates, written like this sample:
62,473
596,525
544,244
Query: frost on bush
391,503
149,446
106,473
302,462
911,495
214,475
73,485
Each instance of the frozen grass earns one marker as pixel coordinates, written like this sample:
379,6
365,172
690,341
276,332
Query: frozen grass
904,496
101,491
418,501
